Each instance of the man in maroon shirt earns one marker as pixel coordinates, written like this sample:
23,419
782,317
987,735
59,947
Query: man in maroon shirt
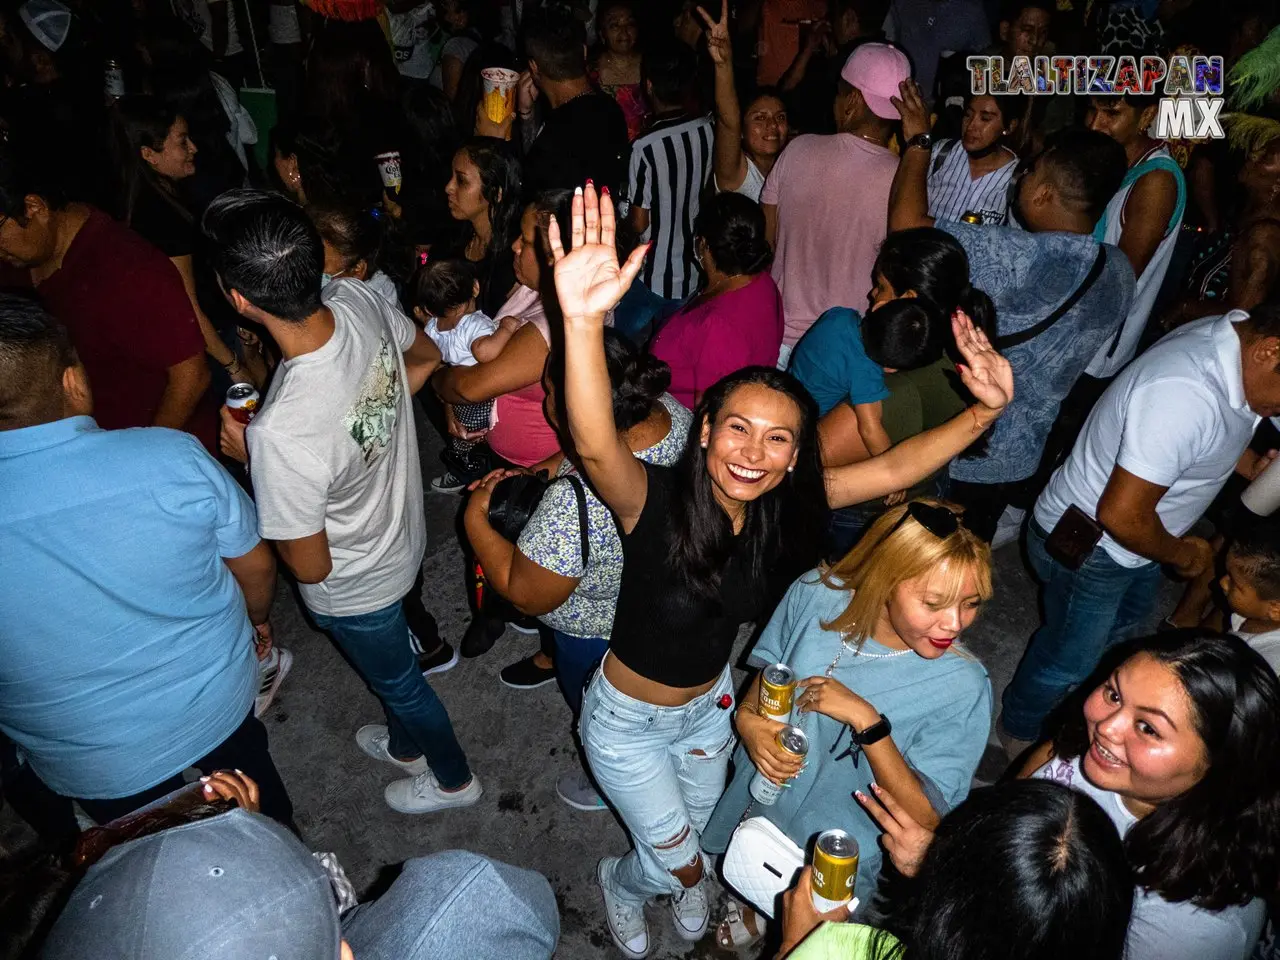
121,299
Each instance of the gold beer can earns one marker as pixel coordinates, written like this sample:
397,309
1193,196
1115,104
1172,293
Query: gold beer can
835,865
777,692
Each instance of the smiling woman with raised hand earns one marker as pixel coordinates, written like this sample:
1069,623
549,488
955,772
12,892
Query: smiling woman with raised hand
1177,739
703,551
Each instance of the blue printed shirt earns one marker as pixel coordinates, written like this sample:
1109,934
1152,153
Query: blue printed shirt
1027,276
125,646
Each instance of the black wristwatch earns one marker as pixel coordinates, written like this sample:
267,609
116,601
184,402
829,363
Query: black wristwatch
922,140
874,733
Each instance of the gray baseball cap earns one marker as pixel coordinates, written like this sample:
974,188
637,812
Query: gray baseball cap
234,887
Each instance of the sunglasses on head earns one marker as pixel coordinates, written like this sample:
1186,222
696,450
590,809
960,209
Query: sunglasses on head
940,521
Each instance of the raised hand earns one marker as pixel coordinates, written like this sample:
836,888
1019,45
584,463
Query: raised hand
985,373
911,107
719,46
589,280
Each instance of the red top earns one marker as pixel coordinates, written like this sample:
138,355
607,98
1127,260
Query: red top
130,319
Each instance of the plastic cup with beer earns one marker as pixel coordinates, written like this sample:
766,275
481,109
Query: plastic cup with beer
499,92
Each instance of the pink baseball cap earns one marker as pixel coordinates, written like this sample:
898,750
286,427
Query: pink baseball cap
876,69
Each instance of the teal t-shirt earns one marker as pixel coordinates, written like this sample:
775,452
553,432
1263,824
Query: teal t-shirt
940,711
832,363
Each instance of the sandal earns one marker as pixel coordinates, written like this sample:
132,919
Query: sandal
734,931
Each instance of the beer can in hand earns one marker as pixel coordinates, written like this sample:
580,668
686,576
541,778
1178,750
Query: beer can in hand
835,865
777,692
242,401
389,169
764,790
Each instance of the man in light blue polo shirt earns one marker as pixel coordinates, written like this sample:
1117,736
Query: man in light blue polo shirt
131,575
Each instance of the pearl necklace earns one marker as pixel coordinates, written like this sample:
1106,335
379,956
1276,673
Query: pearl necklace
857,652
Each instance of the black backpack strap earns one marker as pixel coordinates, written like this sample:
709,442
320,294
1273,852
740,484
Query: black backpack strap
581,496
1022,336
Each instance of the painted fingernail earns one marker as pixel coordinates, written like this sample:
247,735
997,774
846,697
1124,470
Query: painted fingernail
577,191
604,191
860,795
204,779
208,789
239,771
875,787
590,182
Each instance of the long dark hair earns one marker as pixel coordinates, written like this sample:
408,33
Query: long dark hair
1027,869
1218,844
636,380
703,536
140,122
933,264
499,170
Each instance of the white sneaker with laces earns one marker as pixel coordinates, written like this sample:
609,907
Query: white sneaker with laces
627,924
375,740
421,794
271,673
690,910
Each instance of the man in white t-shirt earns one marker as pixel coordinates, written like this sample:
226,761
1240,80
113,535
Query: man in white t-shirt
333,456
1155,451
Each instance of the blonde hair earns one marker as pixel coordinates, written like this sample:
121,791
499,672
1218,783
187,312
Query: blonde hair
889,554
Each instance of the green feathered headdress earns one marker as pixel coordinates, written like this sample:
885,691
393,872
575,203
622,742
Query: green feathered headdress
1256,74
1249,133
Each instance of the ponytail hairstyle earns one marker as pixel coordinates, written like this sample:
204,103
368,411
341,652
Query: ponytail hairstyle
637,379
703,539
1217,844
357,234
732,227
933,264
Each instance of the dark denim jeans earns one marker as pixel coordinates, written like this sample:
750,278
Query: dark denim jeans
1086,611
575,658
377,644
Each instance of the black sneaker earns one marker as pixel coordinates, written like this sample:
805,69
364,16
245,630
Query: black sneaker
525,674
481,635
441,659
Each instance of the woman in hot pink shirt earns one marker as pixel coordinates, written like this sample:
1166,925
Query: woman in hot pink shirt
736,319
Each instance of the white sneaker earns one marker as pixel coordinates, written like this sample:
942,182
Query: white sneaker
627,925
271,673
691,912
375,740
421,794
1009,527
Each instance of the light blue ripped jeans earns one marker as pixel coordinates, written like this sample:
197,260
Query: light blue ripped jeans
643,758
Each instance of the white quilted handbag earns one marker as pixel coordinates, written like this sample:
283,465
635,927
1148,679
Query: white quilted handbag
761,862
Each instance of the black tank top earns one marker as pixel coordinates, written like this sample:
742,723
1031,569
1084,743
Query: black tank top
662,629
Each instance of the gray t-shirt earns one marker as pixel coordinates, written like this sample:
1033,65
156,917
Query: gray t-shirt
334,449
1160,930
553,540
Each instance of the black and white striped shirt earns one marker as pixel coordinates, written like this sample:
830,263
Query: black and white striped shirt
954,192
670,165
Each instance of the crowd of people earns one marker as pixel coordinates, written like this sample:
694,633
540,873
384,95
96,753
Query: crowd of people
738,314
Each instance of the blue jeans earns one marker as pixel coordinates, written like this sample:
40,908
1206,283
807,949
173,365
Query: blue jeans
377,644
455,906
575,658
1086,611
663,769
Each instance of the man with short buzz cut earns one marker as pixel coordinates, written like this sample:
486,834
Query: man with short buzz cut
583,133
1058,293
333,455
132,578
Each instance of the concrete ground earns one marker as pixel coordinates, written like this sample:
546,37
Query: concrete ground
518,742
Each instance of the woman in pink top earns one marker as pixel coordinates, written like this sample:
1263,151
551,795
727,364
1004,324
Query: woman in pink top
736,319
513,379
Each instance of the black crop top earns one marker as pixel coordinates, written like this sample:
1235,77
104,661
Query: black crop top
661,629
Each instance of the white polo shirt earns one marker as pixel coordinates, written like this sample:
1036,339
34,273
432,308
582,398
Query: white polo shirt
1176,417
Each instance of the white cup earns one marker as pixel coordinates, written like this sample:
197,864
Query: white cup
1263,495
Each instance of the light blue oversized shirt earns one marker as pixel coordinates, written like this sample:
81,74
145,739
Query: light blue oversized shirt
125,646
940,711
